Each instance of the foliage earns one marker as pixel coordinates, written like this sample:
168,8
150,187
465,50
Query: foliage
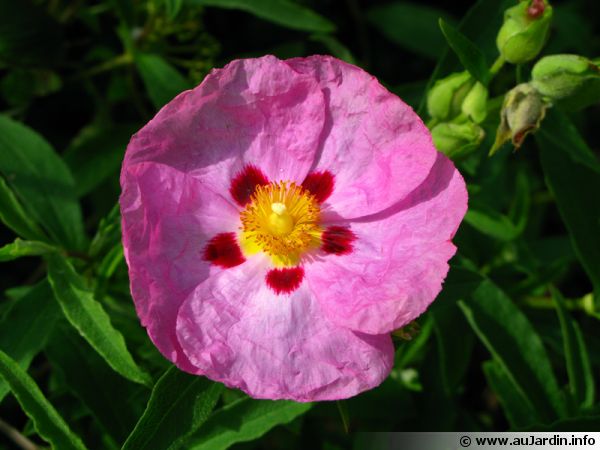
509,344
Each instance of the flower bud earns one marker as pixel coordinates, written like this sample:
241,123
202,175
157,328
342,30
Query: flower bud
445,99
474,105
570,79
456,140
524,31
522,112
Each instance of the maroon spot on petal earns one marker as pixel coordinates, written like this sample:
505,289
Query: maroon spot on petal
536,9
337,240
285,280
319,184
245,183
224,251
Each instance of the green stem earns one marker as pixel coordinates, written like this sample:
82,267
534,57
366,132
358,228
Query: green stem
497,66
121,60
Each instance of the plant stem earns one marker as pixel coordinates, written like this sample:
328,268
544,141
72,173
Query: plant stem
14,435
497,66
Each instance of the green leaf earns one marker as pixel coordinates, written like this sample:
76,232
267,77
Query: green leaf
48,422
163,82
96,154
14,216
90,319
492,223
573,424
28,36
517,407
581,379
180,403
334,47
109,397
410,25
470,56
244,420
25,327
20,248
281,12
42,181
173,7
575,183
514,344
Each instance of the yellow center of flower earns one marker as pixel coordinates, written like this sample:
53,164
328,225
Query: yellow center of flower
282,220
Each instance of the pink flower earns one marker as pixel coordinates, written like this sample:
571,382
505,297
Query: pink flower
280,220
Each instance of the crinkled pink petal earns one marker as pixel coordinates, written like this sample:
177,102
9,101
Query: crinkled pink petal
167,218
234,329
253,111
378,149
399,259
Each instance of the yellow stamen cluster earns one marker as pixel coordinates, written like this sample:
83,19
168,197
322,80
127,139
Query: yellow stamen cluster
282,219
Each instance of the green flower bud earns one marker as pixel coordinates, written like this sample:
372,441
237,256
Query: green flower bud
474,105
445,99
571,80
524,31
457,140
522,112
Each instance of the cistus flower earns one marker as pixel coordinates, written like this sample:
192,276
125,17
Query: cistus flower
280,221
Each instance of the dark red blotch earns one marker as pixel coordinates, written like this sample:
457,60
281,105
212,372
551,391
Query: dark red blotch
245,183
285,280
224,251
536,9
337,240
319,184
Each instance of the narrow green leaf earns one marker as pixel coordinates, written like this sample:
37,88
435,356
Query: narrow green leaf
20,248
410,25
573,424
470,56
244,420
89,318
518,409
281,12
454,348
515,345
96,154
14,216
581,379
26,326
29,37
173,7
163,82
492,223
180,403
42,181
334,47
48,422
110,397
575,183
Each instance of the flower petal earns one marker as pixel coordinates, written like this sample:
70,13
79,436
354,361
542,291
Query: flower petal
168,217
398,260
235,329
378,149
252,112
